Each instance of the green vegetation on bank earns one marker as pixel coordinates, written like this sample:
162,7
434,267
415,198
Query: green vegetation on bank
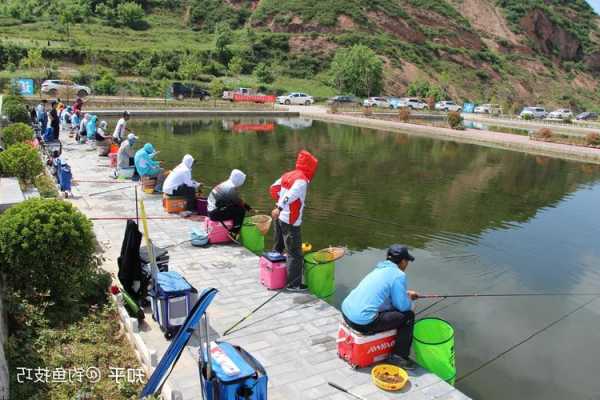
56,301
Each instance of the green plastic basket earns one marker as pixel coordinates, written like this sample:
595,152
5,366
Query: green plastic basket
251,237
434,347
319,276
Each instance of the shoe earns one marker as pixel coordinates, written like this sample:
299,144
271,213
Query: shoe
404,363
298,289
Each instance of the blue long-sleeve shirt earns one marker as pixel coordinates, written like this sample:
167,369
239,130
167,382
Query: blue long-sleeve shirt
383,289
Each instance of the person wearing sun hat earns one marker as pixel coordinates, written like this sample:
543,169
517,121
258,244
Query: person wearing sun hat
381,302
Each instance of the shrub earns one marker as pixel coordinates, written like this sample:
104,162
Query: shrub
544,133
15,112
404,114
455,120
527,117
21,160
263,73
592,139
132,15
46,249
46,186
107,84
16,133
333,108
367,111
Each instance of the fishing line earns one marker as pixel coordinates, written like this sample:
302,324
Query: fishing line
539,331
431,306
451,296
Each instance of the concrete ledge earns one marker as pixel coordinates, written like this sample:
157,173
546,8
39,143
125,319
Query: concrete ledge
196,113
10,193
503,141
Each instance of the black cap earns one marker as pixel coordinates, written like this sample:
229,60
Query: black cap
398,252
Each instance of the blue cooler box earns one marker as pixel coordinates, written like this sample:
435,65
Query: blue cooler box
250,383
172,299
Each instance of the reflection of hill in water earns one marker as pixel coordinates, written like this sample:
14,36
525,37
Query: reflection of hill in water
418,187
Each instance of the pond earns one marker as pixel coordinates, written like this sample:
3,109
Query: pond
480,220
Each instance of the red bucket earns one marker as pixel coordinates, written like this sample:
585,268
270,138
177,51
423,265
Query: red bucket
113,160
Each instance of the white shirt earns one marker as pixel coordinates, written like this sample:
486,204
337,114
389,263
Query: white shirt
120,129
181,175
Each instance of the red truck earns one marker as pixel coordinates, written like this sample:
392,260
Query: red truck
247,95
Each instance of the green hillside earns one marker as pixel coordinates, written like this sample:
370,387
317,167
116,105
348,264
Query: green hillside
506,51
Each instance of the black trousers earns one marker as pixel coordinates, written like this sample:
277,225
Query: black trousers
234,212
289,237
386,320
189,193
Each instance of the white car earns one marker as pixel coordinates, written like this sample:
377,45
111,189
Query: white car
488,109
376,102
447,106
409,102
54,87
296,98
561,113
533,112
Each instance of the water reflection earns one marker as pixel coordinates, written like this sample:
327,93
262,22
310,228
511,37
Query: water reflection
478,219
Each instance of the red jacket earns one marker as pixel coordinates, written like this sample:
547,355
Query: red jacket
289,191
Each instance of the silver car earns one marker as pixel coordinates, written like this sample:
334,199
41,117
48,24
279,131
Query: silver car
296,98
533,112
54,87
561,113
376,102
447,105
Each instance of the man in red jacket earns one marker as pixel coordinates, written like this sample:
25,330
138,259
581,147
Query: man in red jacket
289,193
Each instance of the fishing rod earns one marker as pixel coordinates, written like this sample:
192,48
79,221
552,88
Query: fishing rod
117,218
528,338
232,327
109,190
341,389
468,295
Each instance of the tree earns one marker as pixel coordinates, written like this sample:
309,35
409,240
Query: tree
216,89
66,17
235,66
263,73
34,59
132,15
223,39
357,70
190,68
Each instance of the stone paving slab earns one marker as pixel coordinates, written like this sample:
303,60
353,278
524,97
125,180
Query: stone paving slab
293,336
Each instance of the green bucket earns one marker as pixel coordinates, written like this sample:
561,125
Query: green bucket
434,347
319,276
251,237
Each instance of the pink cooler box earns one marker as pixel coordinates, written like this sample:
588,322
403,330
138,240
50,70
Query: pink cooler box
273,274
216,231
360,350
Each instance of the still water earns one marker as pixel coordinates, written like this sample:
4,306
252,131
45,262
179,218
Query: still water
479,220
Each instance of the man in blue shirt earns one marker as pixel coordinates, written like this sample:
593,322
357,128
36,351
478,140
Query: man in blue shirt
381,302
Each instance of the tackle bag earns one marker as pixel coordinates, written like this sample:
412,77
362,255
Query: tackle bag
235,374
172,299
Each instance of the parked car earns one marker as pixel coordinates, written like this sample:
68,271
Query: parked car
447,105
488,109
587,116
343,100
561,113
409,102
376,102
296,98
182,91
533,112
55,87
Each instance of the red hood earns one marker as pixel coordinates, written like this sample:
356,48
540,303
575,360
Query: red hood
307,163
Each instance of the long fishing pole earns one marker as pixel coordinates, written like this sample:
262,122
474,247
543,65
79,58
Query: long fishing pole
528,338
467,295
232,327
118,218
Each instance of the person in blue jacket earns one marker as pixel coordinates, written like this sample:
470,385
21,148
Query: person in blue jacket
381,302
144,161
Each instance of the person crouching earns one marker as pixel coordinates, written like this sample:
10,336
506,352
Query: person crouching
225,203
382,302
180,182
